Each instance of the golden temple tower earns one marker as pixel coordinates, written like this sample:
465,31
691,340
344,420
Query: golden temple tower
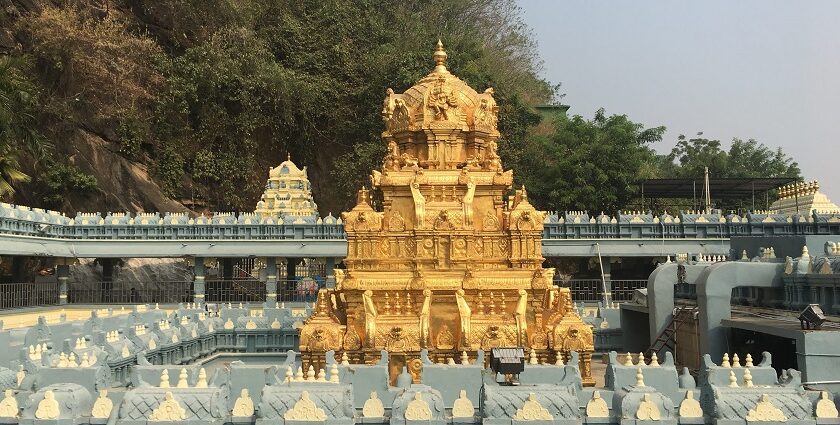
447,265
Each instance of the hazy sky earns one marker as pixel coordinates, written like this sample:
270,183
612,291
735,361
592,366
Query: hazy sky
762,69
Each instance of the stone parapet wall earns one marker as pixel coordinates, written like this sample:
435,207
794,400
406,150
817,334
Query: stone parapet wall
143,367
22,220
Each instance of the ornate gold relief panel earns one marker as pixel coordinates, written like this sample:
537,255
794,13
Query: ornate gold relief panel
398,337
487,335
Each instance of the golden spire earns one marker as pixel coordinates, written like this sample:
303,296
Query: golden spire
288,156
440,57
362,196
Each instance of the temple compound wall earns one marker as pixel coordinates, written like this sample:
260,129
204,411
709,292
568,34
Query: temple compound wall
138,368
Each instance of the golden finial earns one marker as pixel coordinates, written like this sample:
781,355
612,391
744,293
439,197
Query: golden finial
440,57
288,156
362,196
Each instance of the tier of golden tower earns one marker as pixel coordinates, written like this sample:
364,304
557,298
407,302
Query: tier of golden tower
447,265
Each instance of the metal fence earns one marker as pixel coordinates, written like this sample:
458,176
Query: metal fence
163,293
242,290
592,290
235,290
17,295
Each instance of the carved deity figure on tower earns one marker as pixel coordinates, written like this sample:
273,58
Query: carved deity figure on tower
520,315
370,317
419,205
467,203
388,105
486,114
465,313
442,100
425,316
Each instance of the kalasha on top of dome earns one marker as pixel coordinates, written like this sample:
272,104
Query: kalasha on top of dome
440,100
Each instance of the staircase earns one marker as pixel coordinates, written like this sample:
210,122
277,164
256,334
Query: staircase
667,339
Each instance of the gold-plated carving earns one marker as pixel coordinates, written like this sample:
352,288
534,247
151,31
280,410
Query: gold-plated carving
447,263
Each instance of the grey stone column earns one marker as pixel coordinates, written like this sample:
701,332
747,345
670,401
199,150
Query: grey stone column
606,268
63,274
270,281
329,270
198,282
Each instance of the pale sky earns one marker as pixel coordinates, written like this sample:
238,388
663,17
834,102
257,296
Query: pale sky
762,69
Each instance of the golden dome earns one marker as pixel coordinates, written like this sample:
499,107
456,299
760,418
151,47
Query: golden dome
440,99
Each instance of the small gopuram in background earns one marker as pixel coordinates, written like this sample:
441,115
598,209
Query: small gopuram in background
803,198
288,194
447,264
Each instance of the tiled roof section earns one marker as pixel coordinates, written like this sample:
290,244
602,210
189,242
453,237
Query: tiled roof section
200,404
503,402
335,400
735,403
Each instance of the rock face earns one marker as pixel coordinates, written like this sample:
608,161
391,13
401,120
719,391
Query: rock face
122,185
139,273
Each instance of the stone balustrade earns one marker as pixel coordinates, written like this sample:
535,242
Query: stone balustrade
22,220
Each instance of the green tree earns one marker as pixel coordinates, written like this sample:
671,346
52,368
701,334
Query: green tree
589,164
18,102
10,173
752,159
693,155
59,181
743,159
748,158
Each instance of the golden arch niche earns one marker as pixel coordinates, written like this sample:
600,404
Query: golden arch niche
447,264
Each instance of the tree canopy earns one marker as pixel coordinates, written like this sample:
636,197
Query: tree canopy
200,98
210,94
589,164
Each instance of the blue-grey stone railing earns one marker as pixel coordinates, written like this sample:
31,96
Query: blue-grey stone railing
22,220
